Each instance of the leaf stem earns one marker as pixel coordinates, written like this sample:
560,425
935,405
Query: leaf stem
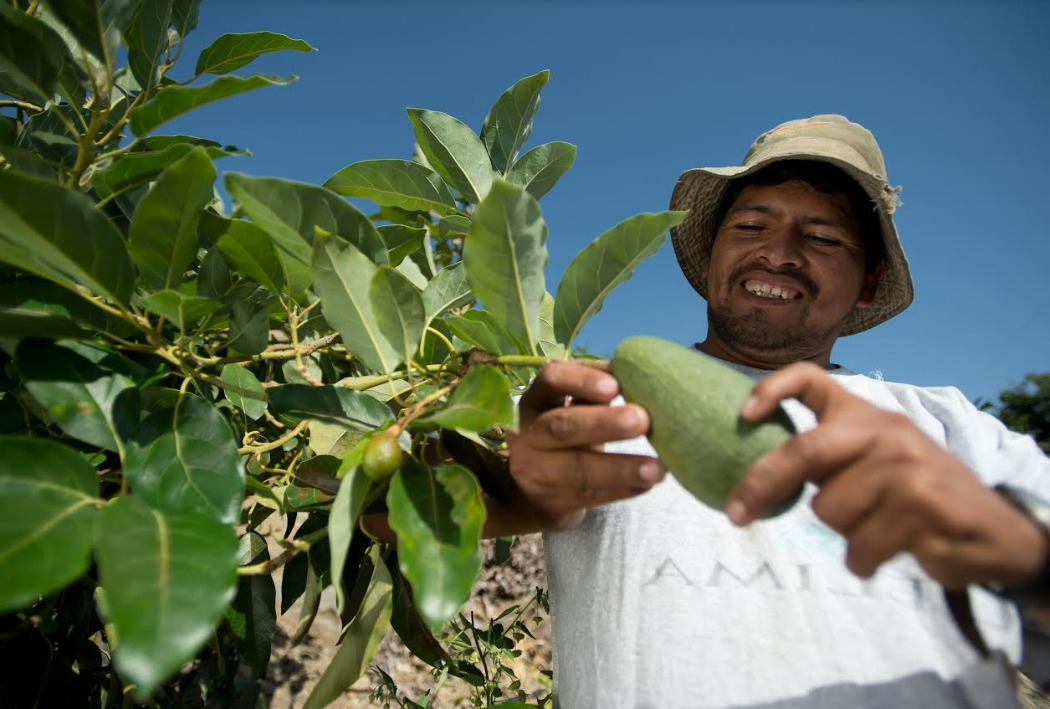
21,104
441,336
278,443
119,125
270,565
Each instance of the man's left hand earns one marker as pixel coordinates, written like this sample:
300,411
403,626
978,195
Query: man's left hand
886,487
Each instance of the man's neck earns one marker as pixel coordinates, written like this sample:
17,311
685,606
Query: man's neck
758,360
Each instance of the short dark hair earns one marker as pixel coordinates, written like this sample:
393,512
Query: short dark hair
825,178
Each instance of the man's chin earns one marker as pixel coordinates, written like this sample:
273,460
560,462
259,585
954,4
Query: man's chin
759,334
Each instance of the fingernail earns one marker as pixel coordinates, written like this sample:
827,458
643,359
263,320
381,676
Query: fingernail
650,471
748,410
628,420
607,386
736,512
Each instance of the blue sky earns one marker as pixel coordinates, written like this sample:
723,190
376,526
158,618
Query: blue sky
956,92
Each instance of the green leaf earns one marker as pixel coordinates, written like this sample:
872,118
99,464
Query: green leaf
293,581
406,622
81,388
332,440
249,325
509,123
292,375
456,224
184,15
541,167
410,269
252,616
454,151
315,585
179,308
290,212
604,264
96,24
342,275
147,37
321,471
213,277
304,498
167,578
58,234
138,168
479,402
242,378
48,494
401,241
163,235
398,310
232,51
394,183
172,101
185,460
330,404
32,52
249,251
438,515
448,289
505,254
549,344
37,299
23,316
343,519
360,642
482,330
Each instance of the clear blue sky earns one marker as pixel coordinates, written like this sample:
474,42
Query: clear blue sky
957,94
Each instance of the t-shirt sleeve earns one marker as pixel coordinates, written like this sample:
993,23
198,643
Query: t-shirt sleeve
991,450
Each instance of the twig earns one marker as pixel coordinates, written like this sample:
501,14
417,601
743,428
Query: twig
270,565
278,443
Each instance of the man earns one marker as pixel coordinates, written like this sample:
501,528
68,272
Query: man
659,601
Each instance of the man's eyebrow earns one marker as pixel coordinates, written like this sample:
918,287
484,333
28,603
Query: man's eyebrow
760,208
766,209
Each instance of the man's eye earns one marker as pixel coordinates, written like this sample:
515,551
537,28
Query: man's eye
749,227
824,240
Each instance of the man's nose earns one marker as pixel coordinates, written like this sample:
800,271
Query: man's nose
782,247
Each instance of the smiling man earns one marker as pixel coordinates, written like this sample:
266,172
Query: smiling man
659,601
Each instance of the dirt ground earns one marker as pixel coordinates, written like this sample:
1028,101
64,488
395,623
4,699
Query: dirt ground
294,671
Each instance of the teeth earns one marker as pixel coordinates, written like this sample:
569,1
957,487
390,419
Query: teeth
767,291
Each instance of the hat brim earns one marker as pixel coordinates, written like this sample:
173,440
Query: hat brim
701,191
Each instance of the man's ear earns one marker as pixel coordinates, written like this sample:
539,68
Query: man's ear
871,285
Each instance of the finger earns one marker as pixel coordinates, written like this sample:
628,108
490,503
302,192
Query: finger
558,380
889,529
807,456
577,472
583,425
846,499
804,381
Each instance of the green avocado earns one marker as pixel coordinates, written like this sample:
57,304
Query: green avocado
694,404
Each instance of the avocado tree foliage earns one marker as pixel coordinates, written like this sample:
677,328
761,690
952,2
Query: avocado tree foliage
175,371
1026,408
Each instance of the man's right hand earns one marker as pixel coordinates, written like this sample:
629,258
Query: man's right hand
557,458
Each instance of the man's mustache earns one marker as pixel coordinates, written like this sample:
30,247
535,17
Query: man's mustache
808,284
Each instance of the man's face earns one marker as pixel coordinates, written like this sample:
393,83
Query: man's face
787,267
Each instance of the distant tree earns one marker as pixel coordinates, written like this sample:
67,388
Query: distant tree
1026,408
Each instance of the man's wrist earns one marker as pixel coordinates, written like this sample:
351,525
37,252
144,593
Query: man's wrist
1034,595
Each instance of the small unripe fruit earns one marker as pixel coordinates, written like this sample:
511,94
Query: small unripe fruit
382,455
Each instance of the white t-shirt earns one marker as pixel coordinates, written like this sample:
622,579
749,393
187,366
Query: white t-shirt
659,601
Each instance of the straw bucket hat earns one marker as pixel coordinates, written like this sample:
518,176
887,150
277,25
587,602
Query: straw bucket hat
825,138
